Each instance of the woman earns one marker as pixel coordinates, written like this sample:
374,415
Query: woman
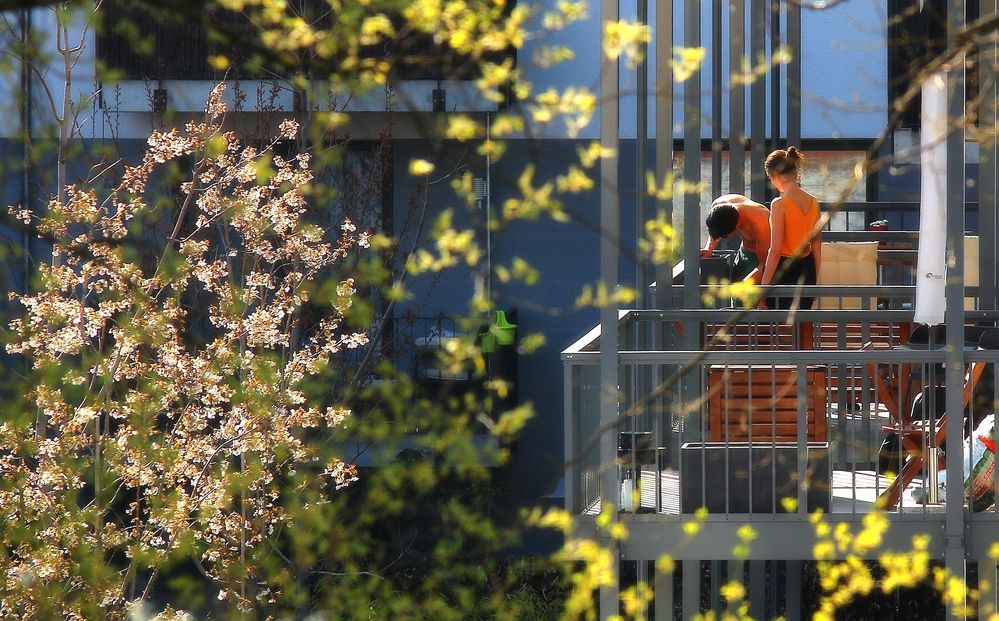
795,239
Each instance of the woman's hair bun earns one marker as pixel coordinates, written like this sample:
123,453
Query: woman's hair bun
784,162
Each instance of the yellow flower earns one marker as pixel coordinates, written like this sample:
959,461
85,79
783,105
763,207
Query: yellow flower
691,528
686,61
419,167
746,533
627,38
733,591
461,127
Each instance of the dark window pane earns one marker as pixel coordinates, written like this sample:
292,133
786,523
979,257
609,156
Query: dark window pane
141,42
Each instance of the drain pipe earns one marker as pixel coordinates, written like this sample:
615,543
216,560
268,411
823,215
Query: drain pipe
489,212
482,190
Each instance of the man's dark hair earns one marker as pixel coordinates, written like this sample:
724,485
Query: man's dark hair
722,220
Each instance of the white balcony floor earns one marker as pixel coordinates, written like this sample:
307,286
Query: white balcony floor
852,492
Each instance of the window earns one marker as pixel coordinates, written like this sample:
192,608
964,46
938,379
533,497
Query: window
138,41
142,43
917,32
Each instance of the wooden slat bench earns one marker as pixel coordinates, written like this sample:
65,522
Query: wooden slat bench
759,403
774,397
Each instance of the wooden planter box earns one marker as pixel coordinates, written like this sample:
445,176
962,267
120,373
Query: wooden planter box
759,403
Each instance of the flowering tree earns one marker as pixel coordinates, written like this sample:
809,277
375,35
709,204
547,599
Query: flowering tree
187,428
166,434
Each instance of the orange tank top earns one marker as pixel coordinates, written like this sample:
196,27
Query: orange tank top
798,228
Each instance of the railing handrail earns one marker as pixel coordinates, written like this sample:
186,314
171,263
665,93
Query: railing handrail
781,356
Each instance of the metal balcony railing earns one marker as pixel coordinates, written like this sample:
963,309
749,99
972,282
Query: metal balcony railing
771,415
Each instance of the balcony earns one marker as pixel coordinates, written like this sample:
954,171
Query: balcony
765,417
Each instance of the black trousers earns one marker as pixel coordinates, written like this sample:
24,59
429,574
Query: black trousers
800,271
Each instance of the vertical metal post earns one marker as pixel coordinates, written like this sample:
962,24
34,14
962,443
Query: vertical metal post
987,584
664,211
775,71
610,237
757,101
641,160
717,582
736,97
987,154
570,427
793,90
802,453
792,596
664,596
757,589
716,97
988,227
954,552
691,595
933,472
642,576
664,139
691,162
690,382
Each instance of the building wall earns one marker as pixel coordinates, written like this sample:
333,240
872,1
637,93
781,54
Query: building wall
844,96
566,254
844,76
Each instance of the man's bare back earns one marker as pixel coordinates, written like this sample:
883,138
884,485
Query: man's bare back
754,223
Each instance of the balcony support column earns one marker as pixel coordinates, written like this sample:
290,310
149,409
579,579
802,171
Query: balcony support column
691,595
987,228
792,607
691,166
954,553
610,237
664,595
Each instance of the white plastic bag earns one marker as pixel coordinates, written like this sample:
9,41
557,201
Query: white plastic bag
980,470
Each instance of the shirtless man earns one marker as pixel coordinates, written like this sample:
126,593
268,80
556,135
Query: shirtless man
735,214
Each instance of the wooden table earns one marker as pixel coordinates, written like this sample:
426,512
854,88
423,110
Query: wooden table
897,387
